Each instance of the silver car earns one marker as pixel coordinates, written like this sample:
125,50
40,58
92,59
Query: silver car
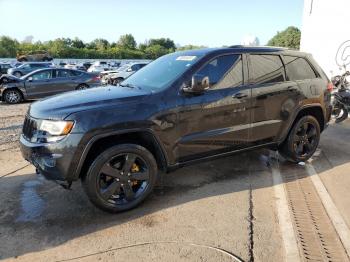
45,82
27,68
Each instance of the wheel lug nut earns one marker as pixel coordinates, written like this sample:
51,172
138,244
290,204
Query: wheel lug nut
118,179
129,174
129,181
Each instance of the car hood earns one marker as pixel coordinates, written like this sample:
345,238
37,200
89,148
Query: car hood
10,79
61,106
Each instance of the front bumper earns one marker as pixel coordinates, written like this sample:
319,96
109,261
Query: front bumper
55,161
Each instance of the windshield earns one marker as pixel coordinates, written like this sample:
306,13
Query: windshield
163,71
123,68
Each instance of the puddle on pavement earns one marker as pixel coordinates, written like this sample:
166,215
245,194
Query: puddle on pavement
32,205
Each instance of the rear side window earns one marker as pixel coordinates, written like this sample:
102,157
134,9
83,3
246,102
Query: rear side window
298,68
224,71
266,69
76,73
63,73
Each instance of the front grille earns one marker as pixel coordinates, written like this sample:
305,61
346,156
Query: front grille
29,127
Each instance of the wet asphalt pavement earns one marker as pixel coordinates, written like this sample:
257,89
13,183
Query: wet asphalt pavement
222,210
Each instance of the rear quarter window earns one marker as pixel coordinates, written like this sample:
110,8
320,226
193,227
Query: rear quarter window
298,68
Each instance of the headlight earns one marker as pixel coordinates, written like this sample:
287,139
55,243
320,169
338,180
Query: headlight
56,128
51,131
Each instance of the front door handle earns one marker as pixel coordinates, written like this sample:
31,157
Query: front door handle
239,95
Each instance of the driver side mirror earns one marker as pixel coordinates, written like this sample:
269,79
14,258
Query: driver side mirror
199,84
30,79
129,70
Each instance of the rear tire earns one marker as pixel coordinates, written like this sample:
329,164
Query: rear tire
302,140
341,114
82,87
13,96
121,177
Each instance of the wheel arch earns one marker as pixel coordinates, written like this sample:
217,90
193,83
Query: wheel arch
12,88
100,143
314,110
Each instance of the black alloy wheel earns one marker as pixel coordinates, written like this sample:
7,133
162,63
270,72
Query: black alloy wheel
121,177
305,140
302,141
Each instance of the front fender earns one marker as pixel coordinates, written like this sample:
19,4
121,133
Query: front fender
84,150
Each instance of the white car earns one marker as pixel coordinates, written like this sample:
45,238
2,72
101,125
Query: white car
124,72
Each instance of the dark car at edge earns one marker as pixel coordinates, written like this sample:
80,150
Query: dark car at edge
182,108
45,82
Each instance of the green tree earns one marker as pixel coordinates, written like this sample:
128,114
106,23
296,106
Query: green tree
190,47
8,47
99,44
127,41
165,42
289,37
155,51
77,43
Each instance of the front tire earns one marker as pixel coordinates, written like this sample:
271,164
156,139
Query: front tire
302,140
12,96
121,177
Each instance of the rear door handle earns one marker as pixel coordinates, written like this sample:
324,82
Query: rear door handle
239,95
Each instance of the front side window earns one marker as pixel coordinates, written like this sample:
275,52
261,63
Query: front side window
42,75
298,68
224,71
265,69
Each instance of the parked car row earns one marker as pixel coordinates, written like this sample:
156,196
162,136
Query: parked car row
45,82
34,80
113,77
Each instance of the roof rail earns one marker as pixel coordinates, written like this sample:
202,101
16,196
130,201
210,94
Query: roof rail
259,46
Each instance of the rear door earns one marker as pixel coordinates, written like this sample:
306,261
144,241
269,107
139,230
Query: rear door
273,98
64,81
216,121
39,84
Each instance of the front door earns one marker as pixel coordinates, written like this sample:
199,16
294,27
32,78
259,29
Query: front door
39,84
218,120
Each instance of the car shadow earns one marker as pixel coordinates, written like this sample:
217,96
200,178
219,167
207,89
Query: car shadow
36,214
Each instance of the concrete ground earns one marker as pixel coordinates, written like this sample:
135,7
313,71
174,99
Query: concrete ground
222,210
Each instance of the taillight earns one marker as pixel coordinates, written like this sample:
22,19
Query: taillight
96,78
330,87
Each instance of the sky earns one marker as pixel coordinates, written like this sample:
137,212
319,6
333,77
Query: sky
209,23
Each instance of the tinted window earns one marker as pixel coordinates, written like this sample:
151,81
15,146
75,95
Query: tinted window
76,73
63,73
266,69
135,67
224,71
298,68
42,75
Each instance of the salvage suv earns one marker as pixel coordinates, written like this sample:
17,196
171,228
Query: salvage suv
182,108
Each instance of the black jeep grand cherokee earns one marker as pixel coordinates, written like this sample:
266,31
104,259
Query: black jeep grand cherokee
184,107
